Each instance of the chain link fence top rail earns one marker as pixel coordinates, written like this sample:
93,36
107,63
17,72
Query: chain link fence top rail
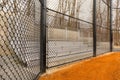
19,39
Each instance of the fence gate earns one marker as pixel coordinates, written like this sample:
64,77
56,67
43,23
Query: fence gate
19,39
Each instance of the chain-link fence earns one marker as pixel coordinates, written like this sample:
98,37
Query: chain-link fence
116,39
70,30
103,26
69,39
116,28
19,39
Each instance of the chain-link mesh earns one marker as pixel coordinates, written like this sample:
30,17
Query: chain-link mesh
69,34
116,39
19,39
69,38
116,24
103,26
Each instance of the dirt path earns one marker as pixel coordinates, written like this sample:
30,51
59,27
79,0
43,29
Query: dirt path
105,67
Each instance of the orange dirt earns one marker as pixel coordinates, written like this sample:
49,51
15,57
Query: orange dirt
105,67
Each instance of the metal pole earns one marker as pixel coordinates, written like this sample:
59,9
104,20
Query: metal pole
43,38
94,28
111,34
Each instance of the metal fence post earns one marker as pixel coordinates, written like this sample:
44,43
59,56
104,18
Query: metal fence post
94,28
43,37
111,34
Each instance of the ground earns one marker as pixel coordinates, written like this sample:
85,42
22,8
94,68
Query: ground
104,67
